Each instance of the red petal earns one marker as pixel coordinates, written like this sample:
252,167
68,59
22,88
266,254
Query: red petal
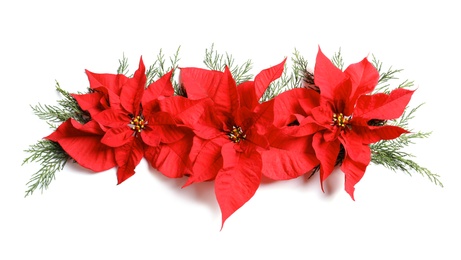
305,129
161,87
265,78
326,75
83,144
116,137
364,78
354,146
218,86
90,102
108,99
288,157
206,158
184,110
238,181
128,157
226,97
199,82
112,82
341,102
247,95
298,101
383,106
151,137
355,169
256,139
133,90
373,134
211,124
172,160
112,118
261,118
323,115
326,153
168,132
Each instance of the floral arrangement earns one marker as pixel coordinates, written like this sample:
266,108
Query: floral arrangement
220,124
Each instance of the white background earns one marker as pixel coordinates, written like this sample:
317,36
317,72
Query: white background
87,216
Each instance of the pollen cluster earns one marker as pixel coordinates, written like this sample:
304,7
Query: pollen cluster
137,123
236,135
341,120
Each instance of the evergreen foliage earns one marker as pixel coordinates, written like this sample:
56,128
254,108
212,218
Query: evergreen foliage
389,153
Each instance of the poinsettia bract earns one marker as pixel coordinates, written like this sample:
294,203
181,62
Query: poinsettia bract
230,134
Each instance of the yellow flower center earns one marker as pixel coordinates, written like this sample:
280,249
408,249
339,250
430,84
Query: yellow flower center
137,123
341,120
236,135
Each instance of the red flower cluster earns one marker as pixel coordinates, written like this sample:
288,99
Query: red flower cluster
220,131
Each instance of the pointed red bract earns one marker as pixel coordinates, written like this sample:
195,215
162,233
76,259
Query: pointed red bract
112,82
83,144
383,106
250,92
160,88
327,76
288,157
230,133
238,179
94,103
291,154
128,157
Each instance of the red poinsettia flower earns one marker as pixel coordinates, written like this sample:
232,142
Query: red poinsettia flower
125,124
230,134
83,141
136,127
343,114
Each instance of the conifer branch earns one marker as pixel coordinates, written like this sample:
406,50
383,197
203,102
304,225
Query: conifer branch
52,159
299,67
389,153
215,61
337,60
386,76
49,154
123,66
280,85
67,108
160,68
292,77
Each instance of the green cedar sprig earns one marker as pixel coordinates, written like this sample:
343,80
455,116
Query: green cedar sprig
56,114
337,60
292,77
51,158
390,153
123,66
157,69
160,68
216,61
49,154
